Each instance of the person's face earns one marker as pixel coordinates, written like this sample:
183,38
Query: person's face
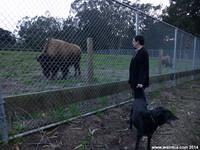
135,44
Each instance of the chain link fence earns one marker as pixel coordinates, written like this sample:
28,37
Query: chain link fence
47,55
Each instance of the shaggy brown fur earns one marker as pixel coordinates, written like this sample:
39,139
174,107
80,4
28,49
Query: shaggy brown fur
58,54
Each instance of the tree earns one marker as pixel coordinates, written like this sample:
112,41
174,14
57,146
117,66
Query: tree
184,14
7,39
110,24
69,31
101,20
34,31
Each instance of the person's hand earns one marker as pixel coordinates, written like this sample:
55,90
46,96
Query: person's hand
139,86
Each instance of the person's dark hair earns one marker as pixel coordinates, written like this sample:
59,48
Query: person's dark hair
139,38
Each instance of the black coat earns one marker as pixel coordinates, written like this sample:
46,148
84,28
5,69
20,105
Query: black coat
139,69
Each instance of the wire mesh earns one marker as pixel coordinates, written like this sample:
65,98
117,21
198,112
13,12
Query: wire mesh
159,40
28,70
197,54
46,55
185,50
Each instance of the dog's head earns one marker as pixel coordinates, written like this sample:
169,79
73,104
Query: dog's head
164,115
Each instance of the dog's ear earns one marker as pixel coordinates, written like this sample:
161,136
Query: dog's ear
171,117
164,116
159,111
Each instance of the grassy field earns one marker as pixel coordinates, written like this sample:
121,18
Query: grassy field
21,73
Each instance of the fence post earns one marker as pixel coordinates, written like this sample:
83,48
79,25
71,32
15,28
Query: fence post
194,54
160,61
3,123
174,57
136,23
90,60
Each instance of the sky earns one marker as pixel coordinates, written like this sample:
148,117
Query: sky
11,11
156,2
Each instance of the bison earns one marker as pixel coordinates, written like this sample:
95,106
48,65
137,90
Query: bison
59,55
166,61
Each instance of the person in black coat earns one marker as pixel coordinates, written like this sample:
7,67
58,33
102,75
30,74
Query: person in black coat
139,69
139,78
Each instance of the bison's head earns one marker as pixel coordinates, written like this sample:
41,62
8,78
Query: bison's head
45,62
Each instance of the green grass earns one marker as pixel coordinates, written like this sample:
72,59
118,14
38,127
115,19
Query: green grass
85,142
103,101
73,110
22,69
173,108
17,127
155,94
58,114
17,63
115,61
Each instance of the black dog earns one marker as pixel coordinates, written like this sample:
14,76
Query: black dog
146,121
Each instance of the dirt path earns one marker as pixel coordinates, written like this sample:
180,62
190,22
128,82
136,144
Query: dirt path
108,130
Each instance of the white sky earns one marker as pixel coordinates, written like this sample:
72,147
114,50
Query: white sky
156,2
11,11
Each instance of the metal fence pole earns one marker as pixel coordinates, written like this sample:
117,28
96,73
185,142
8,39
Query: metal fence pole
160,61
174,57
136,23
197,53
194,54
3,123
